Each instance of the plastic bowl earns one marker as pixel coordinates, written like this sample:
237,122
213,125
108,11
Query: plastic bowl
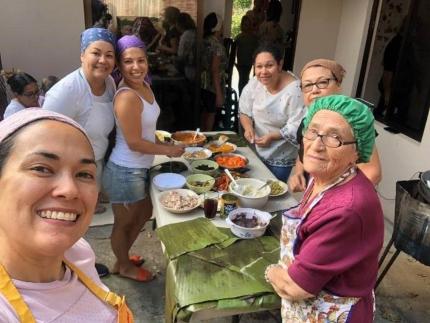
186,138
250,201
248,233
195,165
168,181
206,153
192,180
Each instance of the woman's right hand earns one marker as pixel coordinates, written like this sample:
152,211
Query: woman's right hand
175,151
297,182
249,135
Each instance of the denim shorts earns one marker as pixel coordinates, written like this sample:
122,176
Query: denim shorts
125,185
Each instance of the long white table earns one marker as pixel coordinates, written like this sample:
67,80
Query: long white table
163,217
257,170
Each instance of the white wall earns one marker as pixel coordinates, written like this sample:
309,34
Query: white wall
318,29
351,39
41,37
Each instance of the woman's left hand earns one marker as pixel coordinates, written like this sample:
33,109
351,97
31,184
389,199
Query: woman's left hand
264,141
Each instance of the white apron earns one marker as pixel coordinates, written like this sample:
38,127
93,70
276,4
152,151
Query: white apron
324,307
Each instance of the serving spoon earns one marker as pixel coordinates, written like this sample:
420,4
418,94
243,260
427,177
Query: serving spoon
197,132
231,177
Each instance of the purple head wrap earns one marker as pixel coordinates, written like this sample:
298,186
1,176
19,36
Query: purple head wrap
129,41
91,35
125,42
26,116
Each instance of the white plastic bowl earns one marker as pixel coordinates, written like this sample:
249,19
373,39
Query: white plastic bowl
168,181
249,201
207,153
248,233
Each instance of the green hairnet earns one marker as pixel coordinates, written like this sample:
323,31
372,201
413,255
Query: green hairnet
358,115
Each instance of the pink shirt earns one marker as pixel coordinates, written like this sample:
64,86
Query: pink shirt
66,300
339,245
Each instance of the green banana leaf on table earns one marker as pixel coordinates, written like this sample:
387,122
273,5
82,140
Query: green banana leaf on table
215,270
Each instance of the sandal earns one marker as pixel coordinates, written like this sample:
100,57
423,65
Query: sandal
143,276
135,259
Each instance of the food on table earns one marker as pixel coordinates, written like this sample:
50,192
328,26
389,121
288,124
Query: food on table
224,148
276,188
231,161
163,136
200,154
205,167
200,183
248,190
242,220
177,201
222,181
188,137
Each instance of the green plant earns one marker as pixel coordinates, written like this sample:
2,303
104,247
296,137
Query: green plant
240,7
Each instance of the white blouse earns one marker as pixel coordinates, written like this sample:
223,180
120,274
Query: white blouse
281,112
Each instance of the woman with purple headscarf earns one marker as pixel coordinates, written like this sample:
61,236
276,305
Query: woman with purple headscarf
127,172
86,94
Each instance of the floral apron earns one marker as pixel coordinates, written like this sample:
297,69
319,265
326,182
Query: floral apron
325,307
9,291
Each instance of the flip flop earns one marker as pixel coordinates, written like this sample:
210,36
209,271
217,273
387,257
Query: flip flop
135,259
143,276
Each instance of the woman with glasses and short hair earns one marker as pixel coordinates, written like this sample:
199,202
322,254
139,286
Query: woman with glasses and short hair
26,91
322,77
331,241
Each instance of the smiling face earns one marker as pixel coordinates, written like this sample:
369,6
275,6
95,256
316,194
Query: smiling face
48,190
133,65
313,75
326,164
267,69
30,96
98,60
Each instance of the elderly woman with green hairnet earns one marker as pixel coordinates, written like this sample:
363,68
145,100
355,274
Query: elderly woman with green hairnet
330,242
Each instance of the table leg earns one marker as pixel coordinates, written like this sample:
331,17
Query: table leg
393,258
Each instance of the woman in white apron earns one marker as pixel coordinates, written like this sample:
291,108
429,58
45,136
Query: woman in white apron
330,242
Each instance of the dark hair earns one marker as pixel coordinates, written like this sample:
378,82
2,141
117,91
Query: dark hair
19,81
274,11
171,14
5,148
98,10
209,23
185,21
267,47
48,82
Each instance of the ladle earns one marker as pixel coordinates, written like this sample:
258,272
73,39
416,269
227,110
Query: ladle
231,178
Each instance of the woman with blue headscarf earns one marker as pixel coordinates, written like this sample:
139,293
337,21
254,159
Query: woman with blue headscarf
86,94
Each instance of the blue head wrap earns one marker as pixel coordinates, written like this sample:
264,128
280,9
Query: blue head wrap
91,35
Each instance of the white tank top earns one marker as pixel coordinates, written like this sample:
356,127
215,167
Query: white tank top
121,154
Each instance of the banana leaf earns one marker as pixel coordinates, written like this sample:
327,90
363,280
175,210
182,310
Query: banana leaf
239,141
183,237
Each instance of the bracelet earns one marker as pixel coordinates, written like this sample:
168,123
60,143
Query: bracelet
266,278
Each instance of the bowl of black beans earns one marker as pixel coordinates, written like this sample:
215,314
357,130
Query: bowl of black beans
247,223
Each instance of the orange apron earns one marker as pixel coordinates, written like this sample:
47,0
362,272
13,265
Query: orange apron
12,295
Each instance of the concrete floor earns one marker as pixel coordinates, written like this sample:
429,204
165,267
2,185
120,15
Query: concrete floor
403,296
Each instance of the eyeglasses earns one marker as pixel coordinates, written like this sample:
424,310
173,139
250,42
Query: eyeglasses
321,84
331,141
31,94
